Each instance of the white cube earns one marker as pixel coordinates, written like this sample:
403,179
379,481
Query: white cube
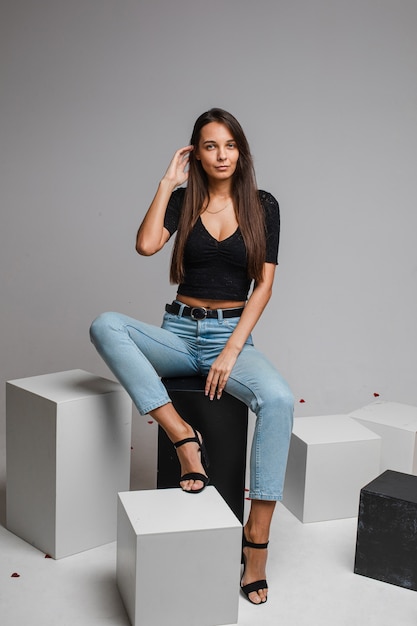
68,455
396,424
178,558
331,458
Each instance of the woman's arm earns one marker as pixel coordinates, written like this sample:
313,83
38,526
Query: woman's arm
152,235
223,365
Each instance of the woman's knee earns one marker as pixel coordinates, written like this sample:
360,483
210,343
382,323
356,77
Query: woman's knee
286,399
279,397
102,325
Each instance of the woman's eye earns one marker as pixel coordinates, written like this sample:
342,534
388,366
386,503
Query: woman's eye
231,145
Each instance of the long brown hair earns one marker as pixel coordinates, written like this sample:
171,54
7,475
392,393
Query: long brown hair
249,212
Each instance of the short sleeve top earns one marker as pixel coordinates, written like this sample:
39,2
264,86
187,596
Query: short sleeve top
218,270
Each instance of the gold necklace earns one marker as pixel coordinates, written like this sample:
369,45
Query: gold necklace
219,211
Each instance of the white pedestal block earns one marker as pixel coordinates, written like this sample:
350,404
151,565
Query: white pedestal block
396,424
68,455
330,459
178,558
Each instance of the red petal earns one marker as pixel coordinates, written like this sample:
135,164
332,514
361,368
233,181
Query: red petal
48,556
15,575
376,395
301,401
150,422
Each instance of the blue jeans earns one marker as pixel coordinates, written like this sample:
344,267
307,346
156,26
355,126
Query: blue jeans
140,354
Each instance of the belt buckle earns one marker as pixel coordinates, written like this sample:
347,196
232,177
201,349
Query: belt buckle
198,313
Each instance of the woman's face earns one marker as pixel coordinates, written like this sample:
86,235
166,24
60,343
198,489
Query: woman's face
217,151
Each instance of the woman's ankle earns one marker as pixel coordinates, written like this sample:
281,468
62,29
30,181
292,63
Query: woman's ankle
258,525
256,535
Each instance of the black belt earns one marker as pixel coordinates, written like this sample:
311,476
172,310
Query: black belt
200,312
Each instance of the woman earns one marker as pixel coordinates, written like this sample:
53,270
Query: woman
227,237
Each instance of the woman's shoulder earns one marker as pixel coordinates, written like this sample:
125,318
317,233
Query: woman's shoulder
176,200
269,203
178,195
267,198
172,213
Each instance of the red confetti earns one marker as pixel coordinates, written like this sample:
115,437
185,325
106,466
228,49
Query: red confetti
48,556
246,489
248,499
302,401
15,575
376,395
150,422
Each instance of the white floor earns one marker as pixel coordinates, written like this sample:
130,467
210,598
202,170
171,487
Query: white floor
310,576
310,573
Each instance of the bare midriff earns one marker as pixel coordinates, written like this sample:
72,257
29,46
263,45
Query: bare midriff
210,304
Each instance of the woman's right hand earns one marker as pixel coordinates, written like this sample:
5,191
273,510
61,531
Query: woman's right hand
177,172
152,235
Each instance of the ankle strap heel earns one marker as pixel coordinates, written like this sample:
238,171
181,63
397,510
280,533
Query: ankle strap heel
204,461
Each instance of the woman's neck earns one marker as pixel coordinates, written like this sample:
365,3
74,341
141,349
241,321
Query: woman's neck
220,189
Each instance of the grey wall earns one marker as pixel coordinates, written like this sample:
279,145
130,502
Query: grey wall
96,95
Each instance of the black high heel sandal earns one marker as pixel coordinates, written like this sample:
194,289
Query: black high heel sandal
258,584
204,461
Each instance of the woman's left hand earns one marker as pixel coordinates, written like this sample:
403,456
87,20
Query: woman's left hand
219,372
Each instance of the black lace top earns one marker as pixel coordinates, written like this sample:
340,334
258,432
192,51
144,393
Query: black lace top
218,269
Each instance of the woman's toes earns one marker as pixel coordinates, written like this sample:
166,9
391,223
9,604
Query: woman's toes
254,597
258,597
263,595
191,485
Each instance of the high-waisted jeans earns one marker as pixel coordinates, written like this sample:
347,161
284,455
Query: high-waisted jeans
140,354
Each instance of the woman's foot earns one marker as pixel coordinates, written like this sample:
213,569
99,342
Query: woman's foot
253,581
191,456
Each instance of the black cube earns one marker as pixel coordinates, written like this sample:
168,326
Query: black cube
386,546
224,426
